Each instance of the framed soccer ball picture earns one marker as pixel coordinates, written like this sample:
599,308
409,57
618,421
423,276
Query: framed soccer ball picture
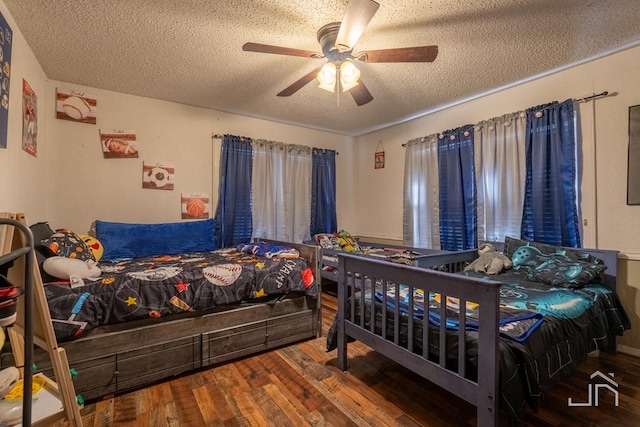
156,176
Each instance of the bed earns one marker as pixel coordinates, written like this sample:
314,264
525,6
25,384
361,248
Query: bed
149,318
333,244
529,344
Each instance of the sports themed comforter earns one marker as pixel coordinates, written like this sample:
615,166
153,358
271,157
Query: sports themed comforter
563,322
160,286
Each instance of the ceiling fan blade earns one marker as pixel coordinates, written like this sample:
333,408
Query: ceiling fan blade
402,54
361,94
278,50
300,83
355,19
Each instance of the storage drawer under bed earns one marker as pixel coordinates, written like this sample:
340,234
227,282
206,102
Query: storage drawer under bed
290,328
146,365
230,343
94,378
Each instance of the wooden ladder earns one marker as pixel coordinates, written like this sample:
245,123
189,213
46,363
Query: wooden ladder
56,400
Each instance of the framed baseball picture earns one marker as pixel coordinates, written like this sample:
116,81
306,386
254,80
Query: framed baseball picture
76,106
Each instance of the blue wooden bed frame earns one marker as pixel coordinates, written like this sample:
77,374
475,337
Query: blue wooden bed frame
433,276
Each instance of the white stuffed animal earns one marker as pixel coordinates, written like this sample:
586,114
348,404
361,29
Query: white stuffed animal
72,269
490,261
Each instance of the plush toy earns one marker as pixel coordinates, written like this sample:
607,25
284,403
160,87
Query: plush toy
93,244
347,242
72,269
490,261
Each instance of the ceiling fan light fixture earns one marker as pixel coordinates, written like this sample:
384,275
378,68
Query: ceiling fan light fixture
349,75
327,77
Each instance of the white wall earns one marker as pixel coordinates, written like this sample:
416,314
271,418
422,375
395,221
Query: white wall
608,222
24,179
90,187
70,184
611,223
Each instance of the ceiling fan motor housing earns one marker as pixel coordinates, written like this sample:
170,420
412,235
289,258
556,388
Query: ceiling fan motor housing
327,38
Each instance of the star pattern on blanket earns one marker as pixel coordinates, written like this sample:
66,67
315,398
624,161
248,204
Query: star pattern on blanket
131,301
181,287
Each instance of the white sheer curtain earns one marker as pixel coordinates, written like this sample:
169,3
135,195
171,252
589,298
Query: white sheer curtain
297,190
421,219
281,191
499,146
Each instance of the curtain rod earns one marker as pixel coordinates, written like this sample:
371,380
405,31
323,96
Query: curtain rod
218,136
584,99
592,97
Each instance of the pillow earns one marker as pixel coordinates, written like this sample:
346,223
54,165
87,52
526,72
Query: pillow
511,244
327,240
557,268
268,250
65,268
561,270
347,242
123,240
41,231
67,244
93,244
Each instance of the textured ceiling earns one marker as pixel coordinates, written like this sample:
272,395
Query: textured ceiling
190,51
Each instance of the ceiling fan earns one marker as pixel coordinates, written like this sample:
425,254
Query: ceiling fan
338,40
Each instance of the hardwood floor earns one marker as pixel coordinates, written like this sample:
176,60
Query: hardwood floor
300,385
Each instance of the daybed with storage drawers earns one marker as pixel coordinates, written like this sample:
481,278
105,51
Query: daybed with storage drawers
149,318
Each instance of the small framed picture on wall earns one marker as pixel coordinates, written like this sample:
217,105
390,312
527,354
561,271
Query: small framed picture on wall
76,106
379,156
379,160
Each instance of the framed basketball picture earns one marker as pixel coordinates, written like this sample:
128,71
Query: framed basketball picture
195,205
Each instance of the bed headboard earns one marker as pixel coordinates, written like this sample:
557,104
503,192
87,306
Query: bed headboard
610,258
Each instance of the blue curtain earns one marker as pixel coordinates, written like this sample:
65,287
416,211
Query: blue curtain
550,212
234,220
456,176
323,192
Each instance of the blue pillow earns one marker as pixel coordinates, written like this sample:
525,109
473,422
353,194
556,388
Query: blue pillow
123,240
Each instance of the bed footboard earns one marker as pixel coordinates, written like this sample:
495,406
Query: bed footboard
362,280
